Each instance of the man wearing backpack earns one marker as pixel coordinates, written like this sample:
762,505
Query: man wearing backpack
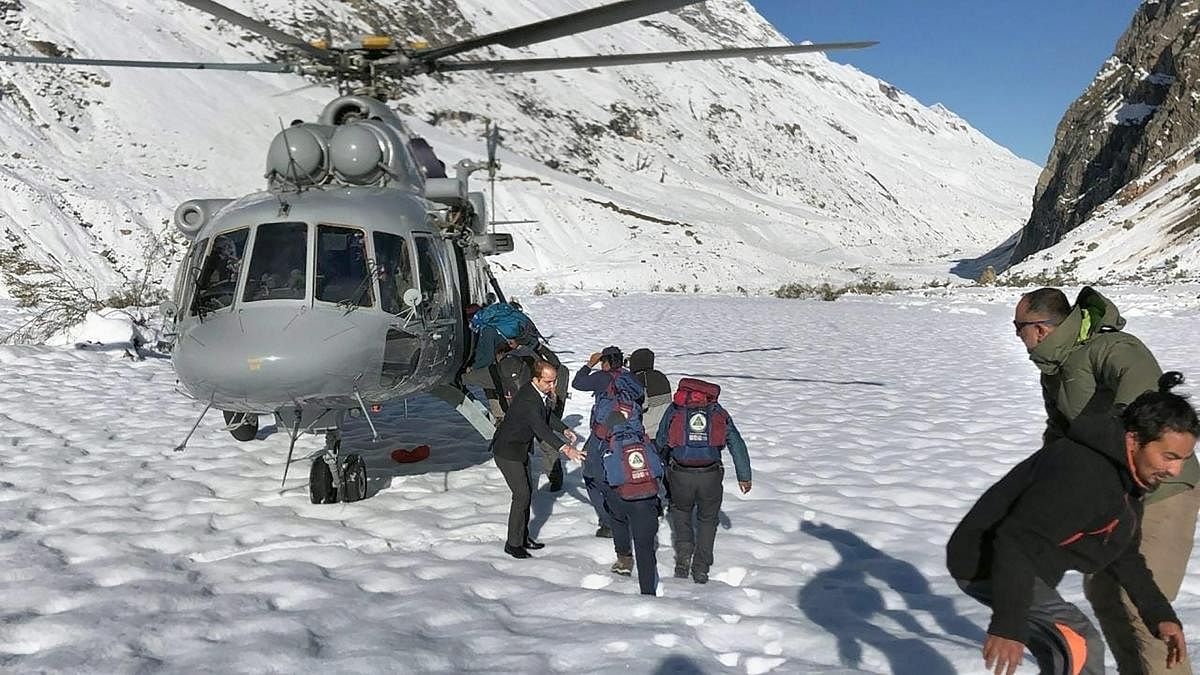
618,398
632,471
691,436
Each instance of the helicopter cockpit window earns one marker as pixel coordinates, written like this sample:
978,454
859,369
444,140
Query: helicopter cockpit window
222,269
342,270
278,263
434,291
394,264
189,272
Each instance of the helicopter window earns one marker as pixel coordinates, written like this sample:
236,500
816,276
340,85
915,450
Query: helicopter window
433,283
395,271
221,271
278,263
342,266
189,272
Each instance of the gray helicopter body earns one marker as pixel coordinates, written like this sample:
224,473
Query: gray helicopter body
341,286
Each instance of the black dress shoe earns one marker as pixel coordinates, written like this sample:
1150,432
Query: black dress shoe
533,544
517,551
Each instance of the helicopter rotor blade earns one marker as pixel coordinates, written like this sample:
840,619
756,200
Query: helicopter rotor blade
238,19
560,26
122,63
601,61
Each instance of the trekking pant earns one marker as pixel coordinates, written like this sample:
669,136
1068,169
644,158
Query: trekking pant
1167,530
1061,639
516,474
700,490
593,478
637,521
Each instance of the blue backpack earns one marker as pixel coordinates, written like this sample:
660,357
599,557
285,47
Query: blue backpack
508,320
624,393
632,466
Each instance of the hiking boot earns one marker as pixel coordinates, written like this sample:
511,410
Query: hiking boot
604,531
699,577
681,571
623,566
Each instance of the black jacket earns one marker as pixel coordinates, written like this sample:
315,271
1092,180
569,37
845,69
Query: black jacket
1073,505
527,417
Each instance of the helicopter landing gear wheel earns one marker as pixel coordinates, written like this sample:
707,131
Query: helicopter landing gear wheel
247,430
354,479
321,488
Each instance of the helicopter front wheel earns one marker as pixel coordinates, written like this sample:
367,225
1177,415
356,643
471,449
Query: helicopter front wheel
354,479
321,488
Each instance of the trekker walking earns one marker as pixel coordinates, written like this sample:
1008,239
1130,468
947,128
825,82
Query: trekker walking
693,432
616,393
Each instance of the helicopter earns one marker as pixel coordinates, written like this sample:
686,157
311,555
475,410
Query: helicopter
347,282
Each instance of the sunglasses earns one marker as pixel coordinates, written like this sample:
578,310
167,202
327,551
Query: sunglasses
1020,325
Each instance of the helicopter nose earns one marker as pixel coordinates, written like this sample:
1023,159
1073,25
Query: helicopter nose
264,358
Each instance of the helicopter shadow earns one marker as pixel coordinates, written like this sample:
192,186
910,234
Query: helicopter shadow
453,444
841,601
731,351
738,376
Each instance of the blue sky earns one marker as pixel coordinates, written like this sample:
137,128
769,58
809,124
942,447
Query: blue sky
1009,68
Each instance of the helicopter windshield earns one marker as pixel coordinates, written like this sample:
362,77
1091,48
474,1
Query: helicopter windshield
278,263
221,271
394,266
342,274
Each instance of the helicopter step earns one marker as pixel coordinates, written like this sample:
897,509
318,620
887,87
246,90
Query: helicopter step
334,478
472,409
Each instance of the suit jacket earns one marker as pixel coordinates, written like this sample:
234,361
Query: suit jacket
526,418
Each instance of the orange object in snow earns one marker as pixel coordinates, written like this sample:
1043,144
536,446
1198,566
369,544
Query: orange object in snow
409,456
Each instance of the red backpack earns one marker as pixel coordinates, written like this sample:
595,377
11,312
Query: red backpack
697,428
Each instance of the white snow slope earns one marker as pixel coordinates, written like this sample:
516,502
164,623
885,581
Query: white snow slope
733,173
873,424
1144,233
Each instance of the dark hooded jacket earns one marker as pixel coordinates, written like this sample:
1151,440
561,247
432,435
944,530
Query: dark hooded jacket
1090,364
1073,505
658,387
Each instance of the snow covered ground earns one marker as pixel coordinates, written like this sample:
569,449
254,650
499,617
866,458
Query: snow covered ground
873,423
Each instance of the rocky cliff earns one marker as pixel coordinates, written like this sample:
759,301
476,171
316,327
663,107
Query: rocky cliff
1133,126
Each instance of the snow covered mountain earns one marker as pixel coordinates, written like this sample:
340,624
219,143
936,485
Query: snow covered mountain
711,175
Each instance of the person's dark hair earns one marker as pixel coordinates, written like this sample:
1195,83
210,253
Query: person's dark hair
1156,412
543,369
613,357
1048,302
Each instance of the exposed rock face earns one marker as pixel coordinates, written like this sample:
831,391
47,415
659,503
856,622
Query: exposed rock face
1140,109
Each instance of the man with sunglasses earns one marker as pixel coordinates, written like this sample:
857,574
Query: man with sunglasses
1088,363
528,417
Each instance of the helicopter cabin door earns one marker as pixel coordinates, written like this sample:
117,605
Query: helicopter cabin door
436,284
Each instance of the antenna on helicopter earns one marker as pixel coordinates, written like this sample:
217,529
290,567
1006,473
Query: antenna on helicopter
493,142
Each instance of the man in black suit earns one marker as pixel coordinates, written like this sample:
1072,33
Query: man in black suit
528,416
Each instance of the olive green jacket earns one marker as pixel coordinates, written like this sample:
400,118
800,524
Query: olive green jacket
1088,362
